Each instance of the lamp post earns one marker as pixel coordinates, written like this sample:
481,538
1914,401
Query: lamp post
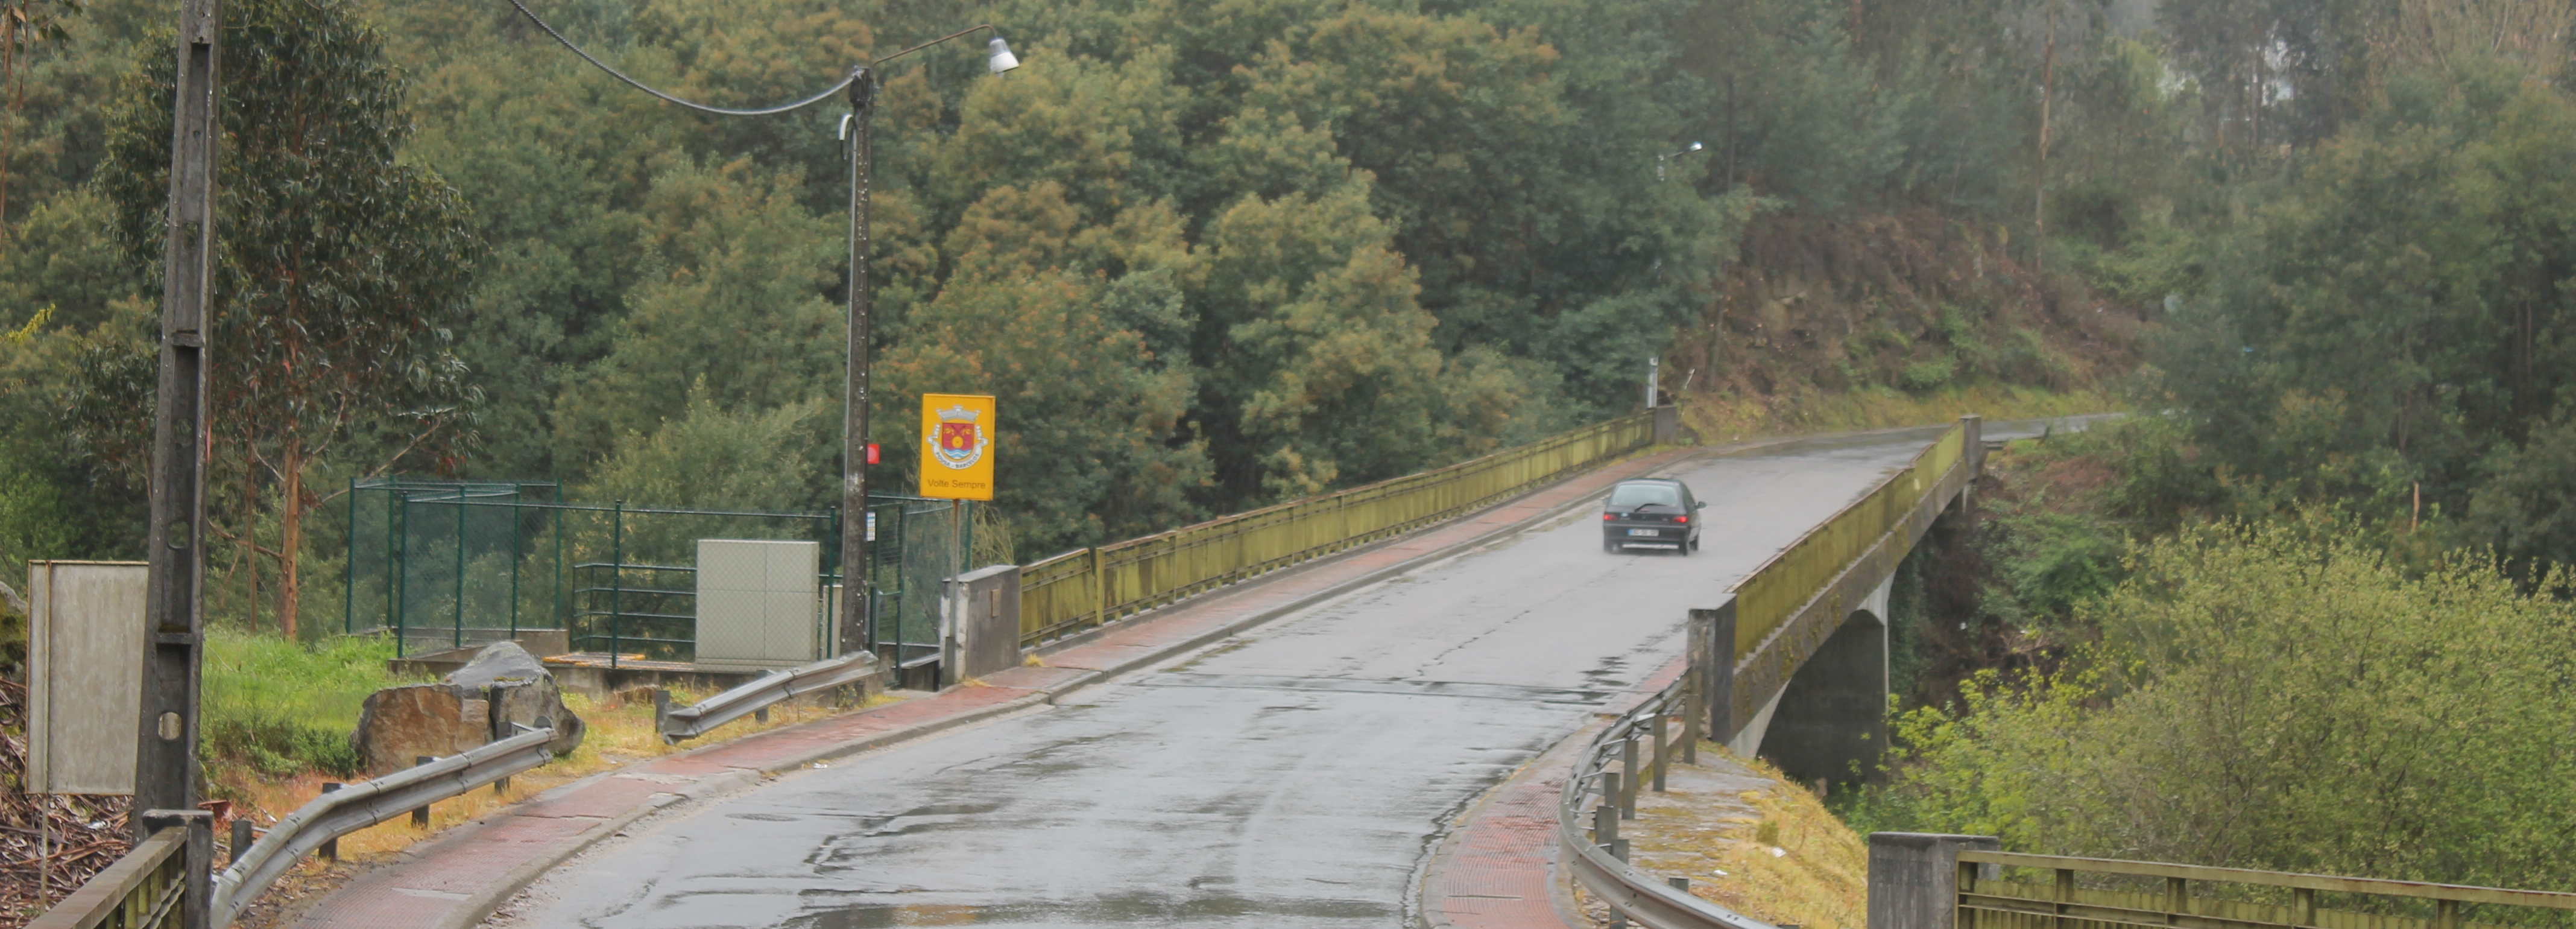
856,630
1654,363
1660,159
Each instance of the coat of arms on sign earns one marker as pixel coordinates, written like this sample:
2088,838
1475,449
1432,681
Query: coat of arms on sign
957,439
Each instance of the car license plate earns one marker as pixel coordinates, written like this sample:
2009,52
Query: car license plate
1645,532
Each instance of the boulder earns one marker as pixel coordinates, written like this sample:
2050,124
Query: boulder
471,706
401,724
521,691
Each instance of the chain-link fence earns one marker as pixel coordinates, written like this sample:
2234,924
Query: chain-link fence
447,564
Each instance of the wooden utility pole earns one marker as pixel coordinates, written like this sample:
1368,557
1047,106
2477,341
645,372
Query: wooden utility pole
856,635
165,769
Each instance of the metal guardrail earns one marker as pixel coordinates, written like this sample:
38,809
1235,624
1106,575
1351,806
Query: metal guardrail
142,890
1991,903
364,804
696,720
1089,587
1599,861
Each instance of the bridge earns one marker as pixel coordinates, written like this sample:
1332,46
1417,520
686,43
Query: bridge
1298,772
1277,718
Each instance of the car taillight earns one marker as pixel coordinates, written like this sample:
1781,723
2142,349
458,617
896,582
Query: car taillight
1681,519
1606,517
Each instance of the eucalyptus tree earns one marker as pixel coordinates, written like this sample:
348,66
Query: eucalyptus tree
339,267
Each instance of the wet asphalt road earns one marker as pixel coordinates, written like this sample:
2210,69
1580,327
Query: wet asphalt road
1294,776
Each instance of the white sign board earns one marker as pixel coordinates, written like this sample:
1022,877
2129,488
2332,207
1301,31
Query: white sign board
85,646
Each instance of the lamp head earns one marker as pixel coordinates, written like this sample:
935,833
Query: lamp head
999,55
1693,146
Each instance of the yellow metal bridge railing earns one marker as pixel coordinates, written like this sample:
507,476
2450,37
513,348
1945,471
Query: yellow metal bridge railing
1087,587
1767,598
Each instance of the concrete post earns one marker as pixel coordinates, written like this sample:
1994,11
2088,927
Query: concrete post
1668,424
1717,674
1914,878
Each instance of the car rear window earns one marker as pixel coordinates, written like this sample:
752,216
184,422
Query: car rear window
1644,494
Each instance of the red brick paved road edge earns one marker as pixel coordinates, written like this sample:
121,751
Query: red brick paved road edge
458,879
1497,868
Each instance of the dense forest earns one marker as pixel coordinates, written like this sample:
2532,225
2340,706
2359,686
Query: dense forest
1211,255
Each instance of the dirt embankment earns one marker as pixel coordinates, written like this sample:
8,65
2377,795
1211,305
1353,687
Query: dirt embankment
1847,323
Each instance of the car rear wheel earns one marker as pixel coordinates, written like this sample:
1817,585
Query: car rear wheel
1610,546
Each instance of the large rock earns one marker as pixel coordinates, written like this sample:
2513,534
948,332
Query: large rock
473,705
400,724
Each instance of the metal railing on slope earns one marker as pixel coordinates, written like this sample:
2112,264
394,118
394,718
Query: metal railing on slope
1767,598
697,719
2061,903
364,804
142,890
1598,857
1089,587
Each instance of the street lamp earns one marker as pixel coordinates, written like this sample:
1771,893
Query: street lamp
1659,159
1654,364
855,625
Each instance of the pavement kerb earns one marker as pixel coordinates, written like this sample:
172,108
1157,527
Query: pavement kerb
905,734
473,910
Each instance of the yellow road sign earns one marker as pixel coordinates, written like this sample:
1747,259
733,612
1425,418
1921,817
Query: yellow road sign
957,446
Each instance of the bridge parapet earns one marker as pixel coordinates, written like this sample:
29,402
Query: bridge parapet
1788,609
1919,881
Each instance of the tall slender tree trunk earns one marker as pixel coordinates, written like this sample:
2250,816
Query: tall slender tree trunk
2047,90
250,545
290,543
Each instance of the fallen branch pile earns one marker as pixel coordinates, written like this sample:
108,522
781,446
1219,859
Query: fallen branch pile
48,844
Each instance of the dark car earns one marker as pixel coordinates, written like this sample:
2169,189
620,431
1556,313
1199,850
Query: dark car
1652,512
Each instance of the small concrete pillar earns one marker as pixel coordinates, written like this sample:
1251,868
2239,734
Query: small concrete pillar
1914,878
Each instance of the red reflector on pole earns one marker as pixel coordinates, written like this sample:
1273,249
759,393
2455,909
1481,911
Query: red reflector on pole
872,453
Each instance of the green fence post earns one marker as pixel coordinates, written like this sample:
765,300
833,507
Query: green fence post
563,600
349,568
616,579
514,562
458,613
398,567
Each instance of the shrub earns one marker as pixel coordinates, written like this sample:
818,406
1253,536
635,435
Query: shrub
2274,697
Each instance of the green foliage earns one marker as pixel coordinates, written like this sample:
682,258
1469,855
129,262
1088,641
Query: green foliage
738,310
2387,327
712,457
1091,369
339,268
280,708
2273,696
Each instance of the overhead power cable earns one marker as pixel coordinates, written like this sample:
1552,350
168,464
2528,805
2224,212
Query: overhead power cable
825,94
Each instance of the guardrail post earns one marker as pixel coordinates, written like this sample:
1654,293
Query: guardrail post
241,838
1915,879
331,847
1663,751
1605,818
1627,798
420,814
197,861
